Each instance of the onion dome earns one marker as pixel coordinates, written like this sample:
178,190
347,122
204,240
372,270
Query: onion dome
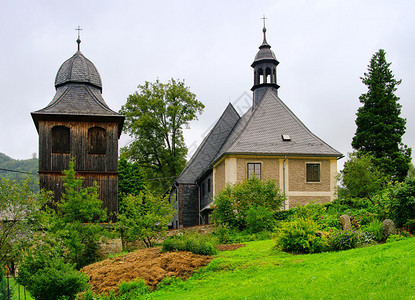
78,69
265,52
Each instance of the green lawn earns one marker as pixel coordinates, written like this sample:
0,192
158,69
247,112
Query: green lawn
259,272
22,292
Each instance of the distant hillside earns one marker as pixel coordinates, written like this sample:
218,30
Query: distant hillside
18,169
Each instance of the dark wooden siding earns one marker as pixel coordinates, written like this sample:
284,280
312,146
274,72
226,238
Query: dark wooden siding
108,188
188,205
99,167
79,147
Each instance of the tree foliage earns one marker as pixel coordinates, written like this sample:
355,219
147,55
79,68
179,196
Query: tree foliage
234,202
379,125
46,276
76,219
145,217
20,215
130,178
361,178
155,117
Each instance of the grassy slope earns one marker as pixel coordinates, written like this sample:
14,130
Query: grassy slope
259,272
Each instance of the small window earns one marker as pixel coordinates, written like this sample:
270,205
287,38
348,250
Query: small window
61,139
286,137
254,169
208,187
97,140
313,172
203,189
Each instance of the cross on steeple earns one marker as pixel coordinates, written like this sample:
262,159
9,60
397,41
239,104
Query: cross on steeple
263,18
79,37
264,30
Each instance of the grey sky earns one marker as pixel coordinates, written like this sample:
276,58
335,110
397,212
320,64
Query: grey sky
323,48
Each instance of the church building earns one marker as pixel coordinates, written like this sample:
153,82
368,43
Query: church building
268,141
78,124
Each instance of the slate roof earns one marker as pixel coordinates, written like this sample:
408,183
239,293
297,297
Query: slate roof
78,69
211,144
262,133
78,94
257,132
265,53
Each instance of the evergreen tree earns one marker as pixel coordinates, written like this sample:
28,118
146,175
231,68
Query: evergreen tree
379,125
131,179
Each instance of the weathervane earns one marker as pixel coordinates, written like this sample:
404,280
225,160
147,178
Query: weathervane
79,37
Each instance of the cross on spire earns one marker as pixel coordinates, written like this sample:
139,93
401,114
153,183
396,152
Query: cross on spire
79,37
264,18
264,30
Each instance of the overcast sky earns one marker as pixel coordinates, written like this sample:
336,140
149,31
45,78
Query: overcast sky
323,46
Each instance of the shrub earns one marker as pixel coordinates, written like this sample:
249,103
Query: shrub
234,201
398,202
410,225
374,227
328,222
395,238
366,237
132,290
259,219
223,234
301,236
145,217
48,278
197,244
343,240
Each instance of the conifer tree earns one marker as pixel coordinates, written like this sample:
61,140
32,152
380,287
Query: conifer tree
379,125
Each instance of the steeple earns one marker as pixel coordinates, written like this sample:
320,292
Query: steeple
265,70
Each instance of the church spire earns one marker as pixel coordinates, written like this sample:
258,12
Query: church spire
265,70
264,30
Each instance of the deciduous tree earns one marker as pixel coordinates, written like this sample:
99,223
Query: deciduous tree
155,117
361,178
145,217
379,125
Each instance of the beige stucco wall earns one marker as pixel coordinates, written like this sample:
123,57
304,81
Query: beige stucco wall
269,168
297,175
233,169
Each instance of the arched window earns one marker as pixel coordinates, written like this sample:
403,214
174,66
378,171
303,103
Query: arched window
97,140
268,75
260,76
61,139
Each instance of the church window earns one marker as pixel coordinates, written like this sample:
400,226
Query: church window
254,169
313,172
61,139
97,140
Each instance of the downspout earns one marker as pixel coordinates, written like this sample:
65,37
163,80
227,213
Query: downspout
283,178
